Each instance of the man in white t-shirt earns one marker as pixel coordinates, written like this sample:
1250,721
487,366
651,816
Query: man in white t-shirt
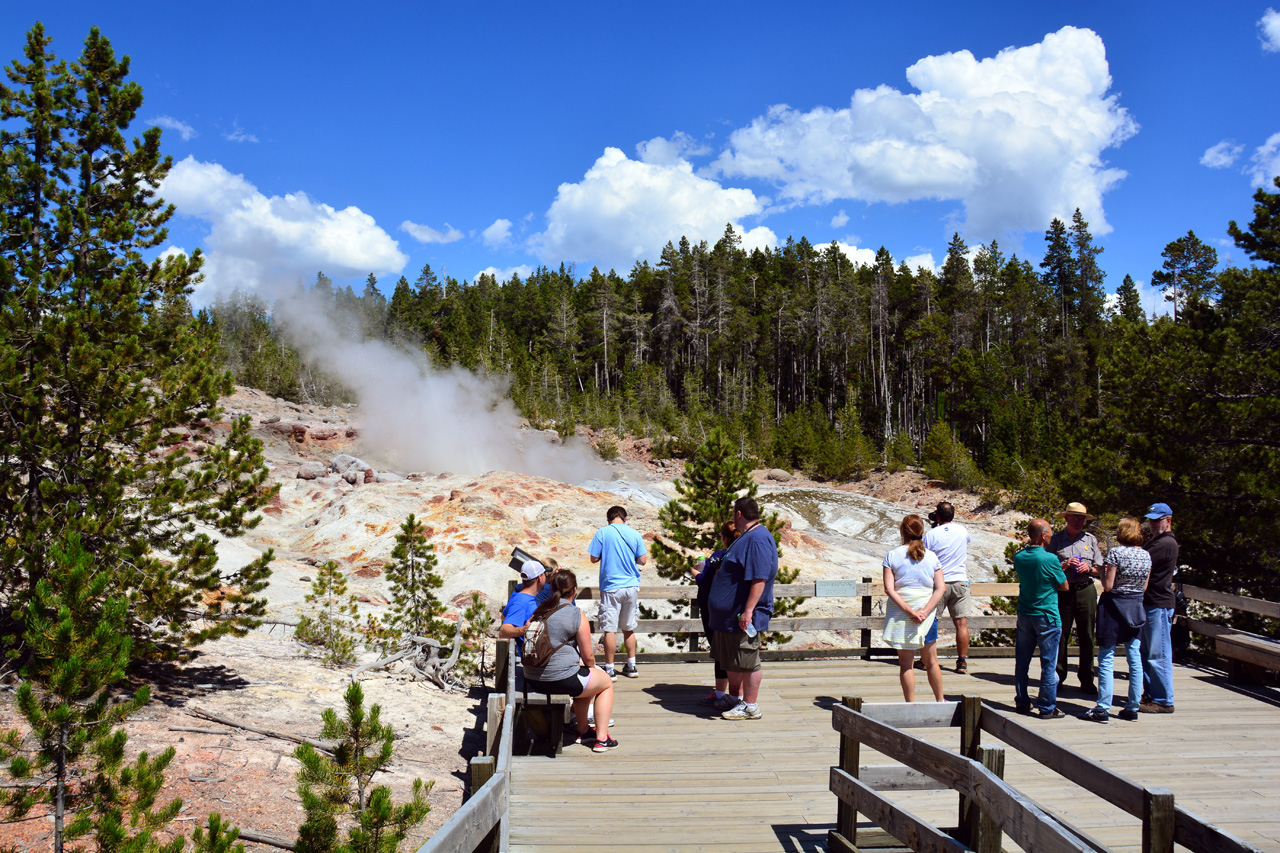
950,541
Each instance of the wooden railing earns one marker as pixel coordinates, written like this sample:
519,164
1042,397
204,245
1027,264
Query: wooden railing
989,807
860,594
482,824
1241,648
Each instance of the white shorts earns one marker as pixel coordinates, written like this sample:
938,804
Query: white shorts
619,609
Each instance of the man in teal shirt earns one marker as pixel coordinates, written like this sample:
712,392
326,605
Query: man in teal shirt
1040,577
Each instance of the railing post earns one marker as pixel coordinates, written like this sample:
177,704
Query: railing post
501,659
693,635
846,817
482,768
864,636
495,706
984,833
970,741
1157,820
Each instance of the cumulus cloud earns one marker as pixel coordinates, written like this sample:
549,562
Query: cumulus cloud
840,220
186,131
1016,138
915,262
1222,155
501,275
858,256
661,151
256,241
625,209
427,234
1266,162
238,134
497,234
1269,30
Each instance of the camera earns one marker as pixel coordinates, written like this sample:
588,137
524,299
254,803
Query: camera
933,518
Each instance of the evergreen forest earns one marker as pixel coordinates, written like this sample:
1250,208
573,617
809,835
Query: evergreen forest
1016,377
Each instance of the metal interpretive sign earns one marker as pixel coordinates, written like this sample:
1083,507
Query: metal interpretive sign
835,588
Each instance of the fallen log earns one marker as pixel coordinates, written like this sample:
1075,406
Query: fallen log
199,730
323,746
259,838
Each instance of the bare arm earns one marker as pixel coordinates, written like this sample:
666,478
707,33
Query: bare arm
595,560
585,650
1109,577
642,559
508,631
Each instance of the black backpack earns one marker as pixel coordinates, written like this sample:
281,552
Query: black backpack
537,643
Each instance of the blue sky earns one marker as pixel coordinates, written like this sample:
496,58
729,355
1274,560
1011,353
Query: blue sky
378,138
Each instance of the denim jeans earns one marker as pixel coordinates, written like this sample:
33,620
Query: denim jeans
1079,611
1036,631
1106,674
1157,655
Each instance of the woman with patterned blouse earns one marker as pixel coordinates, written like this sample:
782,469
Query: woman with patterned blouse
1121,616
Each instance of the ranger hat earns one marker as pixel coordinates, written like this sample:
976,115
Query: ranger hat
1076,508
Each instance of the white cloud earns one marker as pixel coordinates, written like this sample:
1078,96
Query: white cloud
497,234
238,134
624,209
840,220
427,234
915,262
1266,162
524,271
859,257
1222,155
256,241
186,131
1269,30
661,151
1016,138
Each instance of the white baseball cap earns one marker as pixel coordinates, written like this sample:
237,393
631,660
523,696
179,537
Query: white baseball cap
531,569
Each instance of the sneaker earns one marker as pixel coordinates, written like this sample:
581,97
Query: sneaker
1126,714
710,700
575,736
727,702
1047,715
1025,710
962,666
1096,715
613,676
630,671
1155,708
742,712
604,745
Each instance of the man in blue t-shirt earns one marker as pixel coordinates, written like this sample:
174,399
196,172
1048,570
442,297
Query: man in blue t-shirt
520,606
620,551
1040,578
741,602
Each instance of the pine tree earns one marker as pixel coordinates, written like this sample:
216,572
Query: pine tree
330,626
78,651
99,377
364,746
1129,302
415,610
713,479
1186,276
221,837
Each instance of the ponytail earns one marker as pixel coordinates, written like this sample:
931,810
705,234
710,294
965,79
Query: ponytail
912,530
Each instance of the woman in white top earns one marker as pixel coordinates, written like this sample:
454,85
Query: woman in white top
913,582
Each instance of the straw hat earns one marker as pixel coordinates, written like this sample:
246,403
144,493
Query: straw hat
1075,508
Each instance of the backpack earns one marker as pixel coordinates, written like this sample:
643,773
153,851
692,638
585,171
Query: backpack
537,645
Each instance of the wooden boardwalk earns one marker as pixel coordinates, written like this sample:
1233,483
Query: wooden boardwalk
684,781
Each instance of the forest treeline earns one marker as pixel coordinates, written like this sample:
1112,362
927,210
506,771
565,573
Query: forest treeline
1014,376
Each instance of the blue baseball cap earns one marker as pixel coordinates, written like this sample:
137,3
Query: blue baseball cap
1159,511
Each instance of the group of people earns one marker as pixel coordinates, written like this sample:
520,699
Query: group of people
1057,593
1056,575
735,587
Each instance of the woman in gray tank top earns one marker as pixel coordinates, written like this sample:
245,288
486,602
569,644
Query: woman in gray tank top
571,669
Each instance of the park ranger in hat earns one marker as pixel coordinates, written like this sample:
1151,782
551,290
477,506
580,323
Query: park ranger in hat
1081,559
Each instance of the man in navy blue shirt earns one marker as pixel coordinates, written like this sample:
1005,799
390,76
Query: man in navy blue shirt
741,602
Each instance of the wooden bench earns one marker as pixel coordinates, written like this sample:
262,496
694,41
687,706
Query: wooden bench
1242,649
1250,649
544,717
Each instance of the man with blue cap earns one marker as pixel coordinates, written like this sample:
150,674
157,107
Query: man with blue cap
1157,642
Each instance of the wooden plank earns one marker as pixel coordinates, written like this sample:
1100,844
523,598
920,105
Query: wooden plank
919,835
892,777
494,706
915,715
846,816
469,826
875,589
1201,837
1208,629
1021,819
1085,772
984,832
1157,820
1250,648
1260,606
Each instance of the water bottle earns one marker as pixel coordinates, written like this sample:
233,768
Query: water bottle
751,629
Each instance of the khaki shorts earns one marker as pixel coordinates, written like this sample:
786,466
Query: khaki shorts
957,600
619,610
735,651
